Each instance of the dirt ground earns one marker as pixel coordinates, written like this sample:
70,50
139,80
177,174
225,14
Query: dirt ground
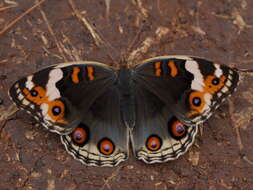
33,36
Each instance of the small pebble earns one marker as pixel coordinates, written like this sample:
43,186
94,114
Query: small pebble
1,101
3,77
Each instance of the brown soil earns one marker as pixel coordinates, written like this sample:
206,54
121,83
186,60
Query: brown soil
55,31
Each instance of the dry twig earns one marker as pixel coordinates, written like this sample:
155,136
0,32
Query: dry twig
8,26
85,22
58,44
238,135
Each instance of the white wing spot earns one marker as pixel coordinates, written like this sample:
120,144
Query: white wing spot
52,92
25,102
207,98
44,109
198,81
29,84
218,72
224,89
228,83
20,96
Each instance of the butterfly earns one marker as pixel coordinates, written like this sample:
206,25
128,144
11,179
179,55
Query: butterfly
99,111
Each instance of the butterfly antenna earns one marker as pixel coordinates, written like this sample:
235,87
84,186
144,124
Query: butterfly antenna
107,47
127,53
136,36
97,36
246,71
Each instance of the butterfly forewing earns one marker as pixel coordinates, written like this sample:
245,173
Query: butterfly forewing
192,87
57,95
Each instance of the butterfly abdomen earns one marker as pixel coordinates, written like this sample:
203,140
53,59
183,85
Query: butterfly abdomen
125,85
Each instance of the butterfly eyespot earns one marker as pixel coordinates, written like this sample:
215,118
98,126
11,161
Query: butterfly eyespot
153,143
34,92
35,95
196,101
176,128
80,135
215,81
56,110
106,146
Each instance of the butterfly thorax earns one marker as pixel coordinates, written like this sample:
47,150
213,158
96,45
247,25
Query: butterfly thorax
125,85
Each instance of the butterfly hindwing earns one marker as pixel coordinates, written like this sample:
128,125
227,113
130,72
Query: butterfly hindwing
102,138
191,86
158,135
57,95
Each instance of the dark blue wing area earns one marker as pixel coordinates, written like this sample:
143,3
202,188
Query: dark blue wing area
58,96
191,87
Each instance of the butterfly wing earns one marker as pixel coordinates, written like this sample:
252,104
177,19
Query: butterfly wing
58,96
191,87
158,135
102,138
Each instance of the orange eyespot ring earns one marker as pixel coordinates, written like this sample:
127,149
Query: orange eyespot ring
197,101
80,135
106,146
153,143
177,129
213,83
56,110
35,95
